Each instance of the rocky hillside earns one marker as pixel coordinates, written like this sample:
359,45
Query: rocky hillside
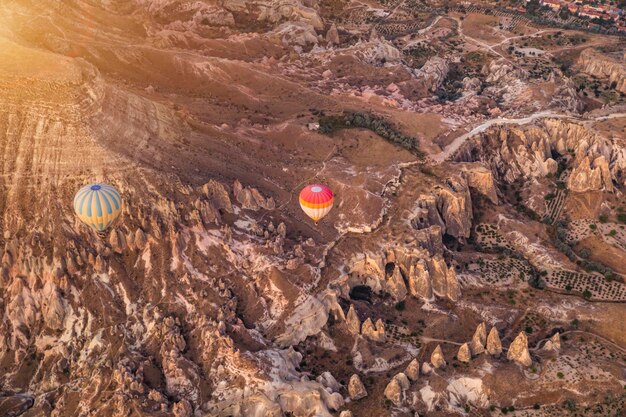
432,288
602,66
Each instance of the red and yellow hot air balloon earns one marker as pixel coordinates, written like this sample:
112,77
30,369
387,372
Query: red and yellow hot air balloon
316,200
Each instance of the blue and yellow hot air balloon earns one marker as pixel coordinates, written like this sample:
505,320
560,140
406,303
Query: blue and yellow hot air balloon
98,205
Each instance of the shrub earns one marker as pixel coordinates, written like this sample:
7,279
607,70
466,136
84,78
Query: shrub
400,306
560,375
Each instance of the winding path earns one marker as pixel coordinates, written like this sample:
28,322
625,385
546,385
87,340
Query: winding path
604,339
458,142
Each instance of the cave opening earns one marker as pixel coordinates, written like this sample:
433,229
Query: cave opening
361,292
389,268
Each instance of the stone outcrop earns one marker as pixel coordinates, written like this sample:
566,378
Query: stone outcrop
479,339
395,389
332,36
374,332
296,34
218,195
412,370
377,52
518,351
346,413
251,199
590,176
554,343
464,354
433,73
602,66
328,381
479,178
356,389
437,359
352,321
516,152
450,206
494,345
395,285
420,285
444,280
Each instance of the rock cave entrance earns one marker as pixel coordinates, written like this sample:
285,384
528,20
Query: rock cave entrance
389,268
361,292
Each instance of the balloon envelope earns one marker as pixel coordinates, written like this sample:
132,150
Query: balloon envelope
98,205
316,200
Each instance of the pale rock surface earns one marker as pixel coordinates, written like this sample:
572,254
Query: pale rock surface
352,321
554,343
395,389
603,66
420,285
590,176
356,389
494,345
444,281
426,368
433,73
464,354
396,286
479,339
328,380
518,350
479,178
374,332
412,370
437,359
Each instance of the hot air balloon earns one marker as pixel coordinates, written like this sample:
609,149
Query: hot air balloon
316,200
98,205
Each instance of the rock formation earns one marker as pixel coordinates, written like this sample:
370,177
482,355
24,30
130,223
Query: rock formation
479,178
352,321
395,285
250,198
444,280
395,389
437,359
464,354
554,343
602,66
328,380
332,36
494,345
356,389
433,73
412,370
373,332
420,285
512,153
518,350
590,176
479,339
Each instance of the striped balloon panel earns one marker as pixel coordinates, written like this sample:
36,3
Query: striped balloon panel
98,205
316,201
